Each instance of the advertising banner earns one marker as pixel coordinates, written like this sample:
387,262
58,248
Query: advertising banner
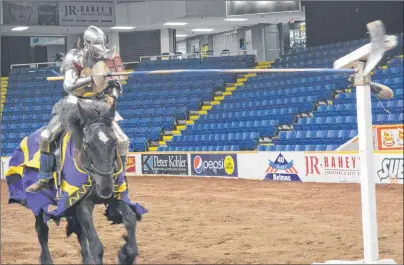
281,166
332,167
30,13
390,137
170,164
389,168
86,13
234,8
131,165
224,165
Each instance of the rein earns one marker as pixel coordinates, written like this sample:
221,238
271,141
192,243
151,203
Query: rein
92,169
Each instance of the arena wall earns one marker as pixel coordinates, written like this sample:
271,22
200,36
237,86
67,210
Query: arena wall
333,167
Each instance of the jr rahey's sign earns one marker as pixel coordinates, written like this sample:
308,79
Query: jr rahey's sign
175,164
84,14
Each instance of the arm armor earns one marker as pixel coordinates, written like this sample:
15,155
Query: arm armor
73,82
114,88
71,67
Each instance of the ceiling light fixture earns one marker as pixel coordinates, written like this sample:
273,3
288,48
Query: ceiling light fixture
19,28
175,24
236,19
181,35
202,30
123,27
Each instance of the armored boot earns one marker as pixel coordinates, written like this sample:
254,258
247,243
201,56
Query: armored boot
123,159
47,164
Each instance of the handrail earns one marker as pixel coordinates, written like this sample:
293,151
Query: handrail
198,55
156,57
134,62
32,65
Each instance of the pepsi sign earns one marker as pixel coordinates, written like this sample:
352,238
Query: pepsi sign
224,165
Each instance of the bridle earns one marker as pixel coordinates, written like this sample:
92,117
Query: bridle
91,170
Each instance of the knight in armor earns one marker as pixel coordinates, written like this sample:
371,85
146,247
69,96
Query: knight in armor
74,83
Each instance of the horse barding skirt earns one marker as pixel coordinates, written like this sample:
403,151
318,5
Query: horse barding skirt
75,183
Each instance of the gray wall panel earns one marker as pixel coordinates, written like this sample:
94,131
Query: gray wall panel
139,43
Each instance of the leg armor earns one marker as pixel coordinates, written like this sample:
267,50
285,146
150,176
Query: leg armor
123,143
47,159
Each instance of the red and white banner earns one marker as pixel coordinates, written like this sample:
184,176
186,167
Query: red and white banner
131,165
390,137
332,167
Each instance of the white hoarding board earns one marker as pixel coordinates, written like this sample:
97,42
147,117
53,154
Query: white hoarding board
389,167
4,165
248,167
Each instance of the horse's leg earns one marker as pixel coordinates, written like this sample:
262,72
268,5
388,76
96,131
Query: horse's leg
84,214
42,230
73,226
127,254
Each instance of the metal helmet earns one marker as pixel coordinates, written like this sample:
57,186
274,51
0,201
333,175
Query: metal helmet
94,41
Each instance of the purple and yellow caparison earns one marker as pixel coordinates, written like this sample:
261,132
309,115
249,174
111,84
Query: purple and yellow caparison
75,183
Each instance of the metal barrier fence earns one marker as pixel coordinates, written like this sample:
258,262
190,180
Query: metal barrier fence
199,55
134,64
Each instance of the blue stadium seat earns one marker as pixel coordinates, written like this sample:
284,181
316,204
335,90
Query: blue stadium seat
254,110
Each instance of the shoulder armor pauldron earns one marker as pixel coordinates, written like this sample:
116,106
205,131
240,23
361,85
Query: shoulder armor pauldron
73,60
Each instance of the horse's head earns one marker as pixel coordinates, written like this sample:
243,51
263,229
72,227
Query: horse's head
99,144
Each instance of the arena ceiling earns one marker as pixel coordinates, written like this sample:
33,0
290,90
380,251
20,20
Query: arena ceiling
218,24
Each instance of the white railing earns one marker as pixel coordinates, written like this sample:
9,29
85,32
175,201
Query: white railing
200,55
33,65
128,65
152,58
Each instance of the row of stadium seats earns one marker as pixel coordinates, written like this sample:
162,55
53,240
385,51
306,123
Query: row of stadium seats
200,148
298,83
351,97
331,47
245,141
298,147
314,137
350,108
264,127
295,78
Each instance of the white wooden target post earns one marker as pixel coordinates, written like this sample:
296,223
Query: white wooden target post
372,53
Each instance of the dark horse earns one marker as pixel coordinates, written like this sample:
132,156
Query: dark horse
89,174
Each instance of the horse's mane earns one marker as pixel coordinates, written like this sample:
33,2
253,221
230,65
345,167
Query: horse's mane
72,116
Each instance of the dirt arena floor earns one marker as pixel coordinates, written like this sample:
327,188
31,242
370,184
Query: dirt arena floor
206,220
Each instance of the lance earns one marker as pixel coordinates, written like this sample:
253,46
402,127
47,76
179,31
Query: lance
234,71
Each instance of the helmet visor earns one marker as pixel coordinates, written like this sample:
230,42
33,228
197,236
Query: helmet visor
97,50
